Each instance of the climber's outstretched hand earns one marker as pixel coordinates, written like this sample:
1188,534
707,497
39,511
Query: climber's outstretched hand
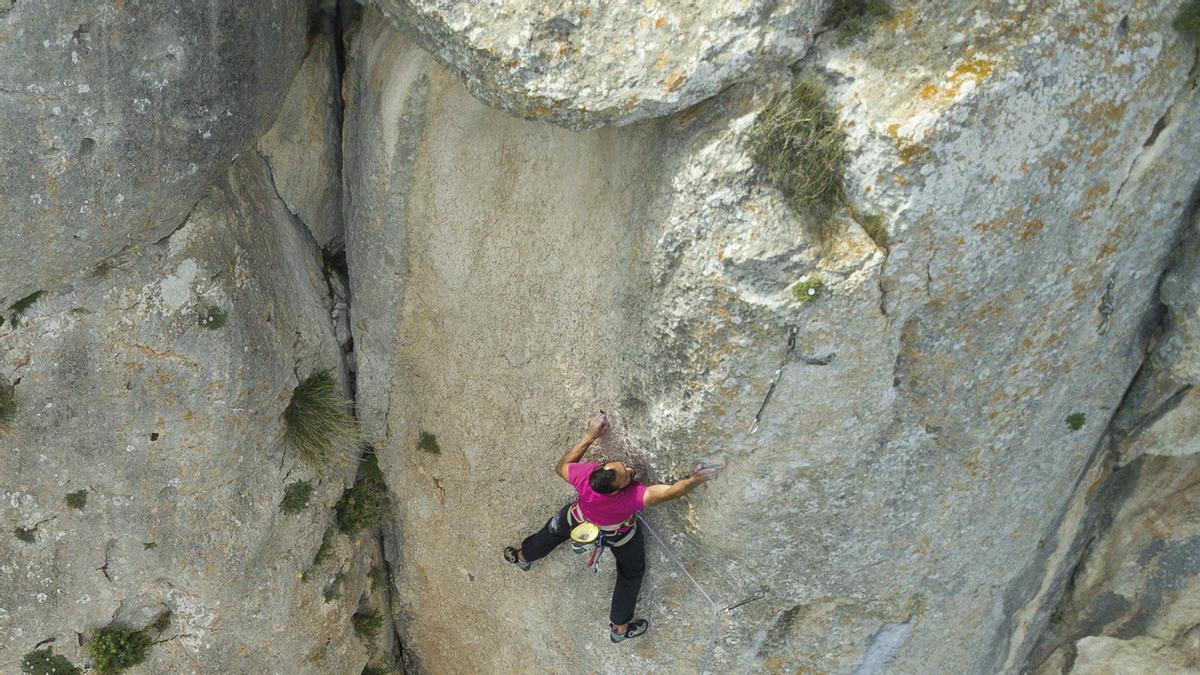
703,473
598,425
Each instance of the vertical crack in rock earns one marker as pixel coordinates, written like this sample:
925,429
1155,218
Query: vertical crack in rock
1038,593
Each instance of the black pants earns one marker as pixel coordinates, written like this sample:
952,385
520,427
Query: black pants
630,556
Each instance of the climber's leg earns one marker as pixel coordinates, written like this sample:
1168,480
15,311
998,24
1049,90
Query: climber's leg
541,543
631,567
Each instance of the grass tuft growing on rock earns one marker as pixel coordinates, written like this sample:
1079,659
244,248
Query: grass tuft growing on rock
366,503
46,662
367,624
852,18
114,648
797,142
1075,421
295,497
1187,22
873,225
319,423
76,500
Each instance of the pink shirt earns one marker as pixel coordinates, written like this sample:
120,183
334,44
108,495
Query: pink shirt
604,510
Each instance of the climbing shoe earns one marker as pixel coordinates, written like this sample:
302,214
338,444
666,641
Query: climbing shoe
510,554
636,628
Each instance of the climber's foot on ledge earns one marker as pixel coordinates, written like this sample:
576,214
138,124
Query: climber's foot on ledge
514,556
632,629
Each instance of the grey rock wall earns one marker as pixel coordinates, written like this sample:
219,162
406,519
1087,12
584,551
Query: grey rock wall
901,505
116,116
603,62
175,432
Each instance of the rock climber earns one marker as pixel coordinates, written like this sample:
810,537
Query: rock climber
609,498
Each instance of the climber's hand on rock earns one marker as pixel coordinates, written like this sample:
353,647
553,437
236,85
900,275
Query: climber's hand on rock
599,424
703,473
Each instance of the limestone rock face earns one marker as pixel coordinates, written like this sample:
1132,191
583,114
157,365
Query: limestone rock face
174,431
116,116
601,62
1139,656
1180,351
895,508
304,147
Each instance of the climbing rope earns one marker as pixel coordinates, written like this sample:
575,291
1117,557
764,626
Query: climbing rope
791,347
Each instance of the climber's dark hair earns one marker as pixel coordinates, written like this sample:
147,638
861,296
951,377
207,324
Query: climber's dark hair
602,479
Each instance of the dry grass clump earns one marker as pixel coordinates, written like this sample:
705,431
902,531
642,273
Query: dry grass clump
796,140
319,423
852,18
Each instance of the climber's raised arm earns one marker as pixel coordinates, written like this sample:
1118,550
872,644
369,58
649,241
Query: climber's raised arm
576,453
657,494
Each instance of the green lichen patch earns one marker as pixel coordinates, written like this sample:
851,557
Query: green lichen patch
296,496
429,443
46,662
18,308
852,18
1187,22
25,535
797,142
319,424
115,648
212,317
8,401
76,500
808,289
1075,421
367,624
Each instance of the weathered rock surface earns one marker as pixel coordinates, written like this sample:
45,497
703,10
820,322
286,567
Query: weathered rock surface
175,432
902,504
116,116
1179,352
602,62
1139,656
304,147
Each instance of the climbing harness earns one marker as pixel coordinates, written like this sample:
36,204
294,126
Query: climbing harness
588,536
1106,304
809,360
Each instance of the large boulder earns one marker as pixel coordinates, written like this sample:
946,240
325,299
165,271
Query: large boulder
896,507
115,116
156,387
602,62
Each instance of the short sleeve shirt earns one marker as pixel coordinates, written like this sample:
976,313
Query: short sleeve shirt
604,510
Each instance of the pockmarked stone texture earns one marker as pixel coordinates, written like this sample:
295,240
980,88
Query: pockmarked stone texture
304,146
533,275
1136,656
602,62
156,387
116,116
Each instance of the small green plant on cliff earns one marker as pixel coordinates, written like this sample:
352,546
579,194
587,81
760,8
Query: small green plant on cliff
212,317
853,17
76,500
1075,421
797,142
8,401
115,648
873,225
46,662
367,624
319,423
378,577
18,308
295,497
25,535
365,504
428,443
373,669
807,290
1187,22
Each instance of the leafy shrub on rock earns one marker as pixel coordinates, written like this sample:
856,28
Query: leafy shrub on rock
366,503
46,662
367,624
116,648
295,497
